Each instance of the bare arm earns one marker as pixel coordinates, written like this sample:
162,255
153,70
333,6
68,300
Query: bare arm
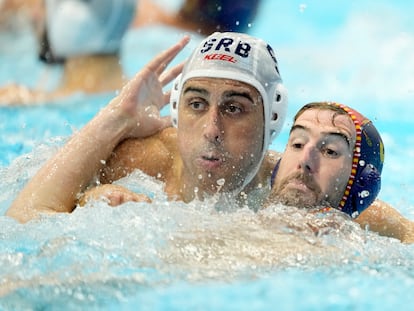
382,218
133,113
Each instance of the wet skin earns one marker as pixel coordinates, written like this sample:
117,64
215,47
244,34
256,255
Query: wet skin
220,133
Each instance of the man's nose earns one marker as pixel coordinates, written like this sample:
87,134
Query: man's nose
308,161
212,127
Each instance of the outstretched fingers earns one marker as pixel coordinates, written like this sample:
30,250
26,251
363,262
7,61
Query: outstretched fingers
166,78
169,75
162,60
156,67
166,98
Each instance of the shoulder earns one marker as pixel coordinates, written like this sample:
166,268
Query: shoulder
267,166
270,160
153,155
165,139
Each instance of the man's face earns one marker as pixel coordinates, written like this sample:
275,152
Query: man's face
220,133
316,164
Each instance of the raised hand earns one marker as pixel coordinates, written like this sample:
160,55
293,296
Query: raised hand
142,98
133,113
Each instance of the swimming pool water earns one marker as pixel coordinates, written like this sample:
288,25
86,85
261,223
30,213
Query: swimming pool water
171,256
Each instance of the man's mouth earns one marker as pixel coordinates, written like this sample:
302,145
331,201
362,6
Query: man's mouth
300,185
210,158
210,161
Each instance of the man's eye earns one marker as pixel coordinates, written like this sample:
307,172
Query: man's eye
297,145
330,152
233,109
197,105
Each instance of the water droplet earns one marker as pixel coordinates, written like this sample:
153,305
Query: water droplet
221,181
364,194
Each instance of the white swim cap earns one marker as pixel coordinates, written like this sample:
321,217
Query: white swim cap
80,27
240,57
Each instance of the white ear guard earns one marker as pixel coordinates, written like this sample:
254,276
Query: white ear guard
174,99
278,113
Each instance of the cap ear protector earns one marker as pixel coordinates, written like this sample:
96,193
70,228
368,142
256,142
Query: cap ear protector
174,99
364,183
278,110
364,190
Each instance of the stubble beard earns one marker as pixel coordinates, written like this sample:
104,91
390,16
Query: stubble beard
289,196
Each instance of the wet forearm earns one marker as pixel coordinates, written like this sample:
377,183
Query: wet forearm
382,218
133,113
57,184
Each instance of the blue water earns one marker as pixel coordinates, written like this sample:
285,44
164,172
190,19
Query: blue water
154,257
